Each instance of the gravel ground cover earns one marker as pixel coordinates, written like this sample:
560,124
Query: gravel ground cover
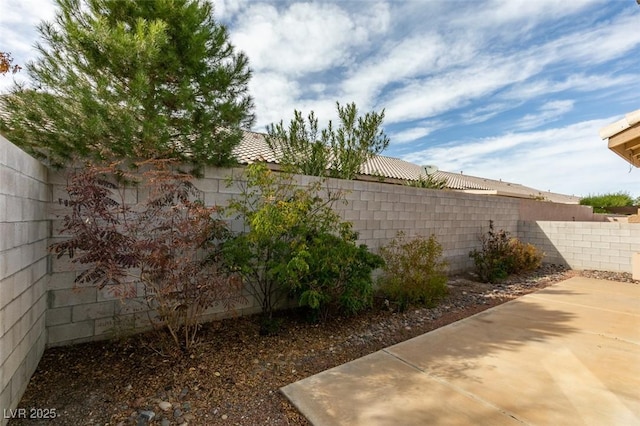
233,375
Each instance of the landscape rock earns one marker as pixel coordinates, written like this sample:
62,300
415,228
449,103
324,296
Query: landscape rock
184,393
145,416
250,396
165,406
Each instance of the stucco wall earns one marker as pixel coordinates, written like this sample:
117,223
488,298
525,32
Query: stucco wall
24,229
535,210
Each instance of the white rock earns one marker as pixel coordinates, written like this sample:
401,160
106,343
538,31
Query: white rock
164,405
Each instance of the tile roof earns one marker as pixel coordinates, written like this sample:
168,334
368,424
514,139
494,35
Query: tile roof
391,168
253,148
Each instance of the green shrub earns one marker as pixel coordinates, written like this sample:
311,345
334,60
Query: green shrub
339,275
602,201
502,255
430,182
492,261
296,245
414,271
278,216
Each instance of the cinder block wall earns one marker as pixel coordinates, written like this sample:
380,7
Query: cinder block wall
378,212
24,228
607,246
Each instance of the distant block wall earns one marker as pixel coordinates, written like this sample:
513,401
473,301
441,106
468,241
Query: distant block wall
24,229
532,210
607,246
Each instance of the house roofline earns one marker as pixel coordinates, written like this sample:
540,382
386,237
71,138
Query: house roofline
619,126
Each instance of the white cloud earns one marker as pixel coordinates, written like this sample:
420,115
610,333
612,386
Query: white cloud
414,132
520,12
489,71
415,57
571,159
228,9
304,37
549,112
480,150
295,49
276,97
610,40
484,113
450,90
415,75
273,96
580,82
18,21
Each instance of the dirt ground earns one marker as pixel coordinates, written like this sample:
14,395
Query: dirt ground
234,374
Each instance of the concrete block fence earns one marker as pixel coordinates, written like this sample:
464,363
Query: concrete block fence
40,307
24,231
605,246
378,212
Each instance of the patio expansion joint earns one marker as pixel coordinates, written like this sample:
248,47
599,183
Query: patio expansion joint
457,389
610,337
541,297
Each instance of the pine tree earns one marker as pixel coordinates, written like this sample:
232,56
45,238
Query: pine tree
301,148
356,140
337,152
127,78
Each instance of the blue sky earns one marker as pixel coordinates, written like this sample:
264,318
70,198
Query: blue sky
506,89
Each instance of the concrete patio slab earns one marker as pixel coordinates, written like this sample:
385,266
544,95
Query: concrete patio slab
568,354
585,291
380,389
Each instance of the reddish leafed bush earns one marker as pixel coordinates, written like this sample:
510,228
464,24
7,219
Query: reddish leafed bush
168,242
